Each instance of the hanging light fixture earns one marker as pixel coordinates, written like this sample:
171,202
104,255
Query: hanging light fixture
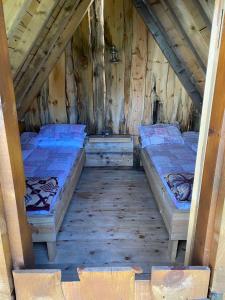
114,55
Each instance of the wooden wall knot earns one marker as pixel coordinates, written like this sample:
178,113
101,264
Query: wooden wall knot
211,131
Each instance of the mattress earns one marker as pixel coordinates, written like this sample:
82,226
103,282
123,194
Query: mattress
26,153
191,139
51,162
172,158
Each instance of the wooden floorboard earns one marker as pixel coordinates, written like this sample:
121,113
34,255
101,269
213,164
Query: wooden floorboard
112,220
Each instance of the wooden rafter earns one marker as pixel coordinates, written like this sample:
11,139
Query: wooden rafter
171,11
162,40
208,7
194,26
37,71
179,44
26,32
203,13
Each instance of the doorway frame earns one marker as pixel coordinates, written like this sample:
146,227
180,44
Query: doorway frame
17,234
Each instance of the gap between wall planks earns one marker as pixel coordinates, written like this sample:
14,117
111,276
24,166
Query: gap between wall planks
11,166
206,230
140,88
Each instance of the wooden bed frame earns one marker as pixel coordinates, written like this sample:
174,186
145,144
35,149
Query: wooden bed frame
176,220
45,228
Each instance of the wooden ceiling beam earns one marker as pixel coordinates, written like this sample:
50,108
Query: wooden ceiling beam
26,32
179,25
179,44
203,14
158,33
13,12
194,26
208,8
47,55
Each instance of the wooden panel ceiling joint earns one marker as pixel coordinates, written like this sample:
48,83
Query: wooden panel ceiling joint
158,32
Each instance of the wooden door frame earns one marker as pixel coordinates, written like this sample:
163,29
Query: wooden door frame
206,235
17,234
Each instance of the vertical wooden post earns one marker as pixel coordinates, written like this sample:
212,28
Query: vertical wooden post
11,165
6,282
207,239
205,123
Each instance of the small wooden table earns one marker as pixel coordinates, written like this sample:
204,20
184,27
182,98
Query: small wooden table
111,150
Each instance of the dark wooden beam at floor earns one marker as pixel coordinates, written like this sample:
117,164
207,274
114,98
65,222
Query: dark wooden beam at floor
49,52
158,32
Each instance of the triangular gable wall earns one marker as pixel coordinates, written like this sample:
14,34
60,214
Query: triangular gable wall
57,20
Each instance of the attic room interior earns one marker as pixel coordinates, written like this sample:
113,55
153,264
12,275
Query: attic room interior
112,152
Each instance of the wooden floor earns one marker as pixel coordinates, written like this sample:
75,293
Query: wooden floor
113,220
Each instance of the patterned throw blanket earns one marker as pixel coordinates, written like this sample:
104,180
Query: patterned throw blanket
40,193
181,185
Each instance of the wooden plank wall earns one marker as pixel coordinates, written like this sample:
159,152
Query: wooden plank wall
141,89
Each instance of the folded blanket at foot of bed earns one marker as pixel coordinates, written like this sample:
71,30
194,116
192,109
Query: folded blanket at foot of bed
181,185
40,193
172,159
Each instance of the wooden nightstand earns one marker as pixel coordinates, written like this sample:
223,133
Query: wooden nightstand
112,150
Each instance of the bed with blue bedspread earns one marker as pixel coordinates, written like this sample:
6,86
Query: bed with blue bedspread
168,158
53,161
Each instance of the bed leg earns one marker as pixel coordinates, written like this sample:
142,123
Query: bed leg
51,247
172,247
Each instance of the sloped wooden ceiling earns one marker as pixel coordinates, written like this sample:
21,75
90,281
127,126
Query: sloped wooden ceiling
182,31
38,32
